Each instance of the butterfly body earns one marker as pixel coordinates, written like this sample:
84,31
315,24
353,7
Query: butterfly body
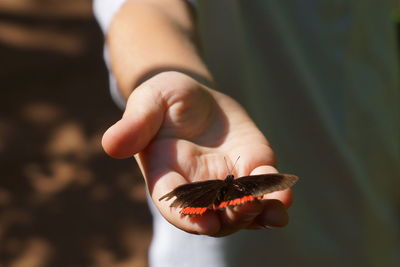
198,197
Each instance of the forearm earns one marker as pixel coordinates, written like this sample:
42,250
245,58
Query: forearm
151,36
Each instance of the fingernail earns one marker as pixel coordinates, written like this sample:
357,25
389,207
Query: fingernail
274,215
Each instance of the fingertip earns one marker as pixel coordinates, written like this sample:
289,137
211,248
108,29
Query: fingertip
205,224
239,217
249,209
119,141
109,143
284,196
264,169
274,215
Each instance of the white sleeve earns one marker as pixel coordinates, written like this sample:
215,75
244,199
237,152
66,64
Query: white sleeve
104,11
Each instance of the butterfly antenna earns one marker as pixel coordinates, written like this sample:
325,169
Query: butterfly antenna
233,167
227,168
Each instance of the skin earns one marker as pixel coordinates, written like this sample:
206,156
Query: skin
178,129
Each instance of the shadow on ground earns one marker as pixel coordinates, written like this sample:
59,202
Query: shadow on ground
63,202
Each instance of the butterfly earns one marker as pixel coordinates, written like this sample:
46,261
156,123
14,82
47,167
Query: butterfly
198,197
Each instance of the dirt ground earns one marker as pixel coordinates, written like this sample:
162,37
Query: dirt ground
63,202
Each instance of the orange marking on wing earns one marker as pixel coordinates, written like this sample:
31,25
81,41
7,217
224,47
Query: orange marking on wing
234,202
193,210
239,201
247,198
223,205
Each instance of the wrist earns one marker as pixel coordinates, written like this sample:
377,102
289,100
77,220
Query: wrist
176,73
166,76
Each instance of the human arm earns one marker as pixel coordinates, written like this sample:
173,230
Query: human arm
179,129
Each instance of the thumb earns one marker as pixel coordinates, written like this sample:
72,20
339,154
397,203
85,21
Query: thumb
140,122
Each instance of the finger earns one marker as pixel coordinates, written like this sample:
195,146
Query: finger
285,196
141,121
274,215
207,224
239,217
275,204
244,216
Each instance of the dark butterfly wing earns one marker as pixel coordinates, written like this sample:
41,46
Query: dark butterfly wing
195,197
233,196
258,185
248,188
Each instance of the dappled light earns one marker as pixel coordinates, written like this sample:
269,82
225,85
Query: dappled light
63,202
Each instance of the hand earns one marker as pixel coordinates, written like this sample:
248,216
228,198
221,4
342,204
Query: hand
180,131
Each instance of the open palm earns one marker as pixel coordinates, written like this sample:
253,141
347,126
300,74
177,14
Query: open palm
180,131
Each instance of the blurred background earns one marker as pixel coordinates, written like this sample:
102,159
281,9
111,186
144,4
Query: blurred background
63,202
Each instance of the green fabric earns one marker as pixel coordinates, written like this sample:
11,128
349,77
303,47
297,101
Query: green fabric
321,79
